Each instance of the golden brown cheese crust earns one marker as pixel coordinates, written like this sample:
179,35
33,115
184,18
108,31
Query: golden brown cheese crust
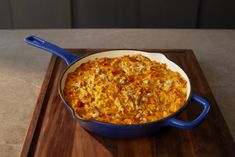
125,90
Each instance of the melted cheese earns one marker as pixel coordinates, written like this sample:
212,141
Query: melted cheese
125,90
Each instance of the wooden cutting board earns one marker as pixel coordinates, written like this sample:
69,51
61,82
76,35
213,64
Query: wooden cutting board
54,133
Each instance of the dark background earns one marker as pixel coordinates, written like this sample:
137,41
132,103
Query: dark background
18,14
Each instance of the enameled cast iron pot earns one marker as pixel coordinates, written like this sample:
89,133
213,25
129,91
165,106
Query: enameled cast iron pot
114,130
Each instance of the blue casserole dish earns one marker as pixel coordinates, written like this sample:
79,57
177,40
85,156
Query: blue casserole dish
115,130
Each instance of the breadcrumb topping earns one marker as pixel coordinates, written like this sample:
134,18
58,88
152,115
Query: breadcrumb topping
125,90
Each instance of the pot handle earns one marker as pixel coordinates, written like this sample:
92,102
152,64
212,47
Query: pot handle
68,57
175,122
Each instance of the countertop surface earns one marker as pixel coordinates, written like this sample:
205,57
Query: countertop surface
23,67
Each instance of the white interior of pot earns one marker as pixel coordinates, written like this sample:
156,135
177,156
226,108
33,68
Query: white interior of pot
118,53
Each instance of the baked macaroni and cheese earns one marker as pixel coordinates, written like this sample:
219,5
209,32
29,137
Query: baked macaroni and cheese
124,90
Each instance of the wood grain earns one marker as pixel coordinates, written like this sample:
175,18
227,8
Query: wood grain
28,14
5,15
168,14
53,131
105,14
